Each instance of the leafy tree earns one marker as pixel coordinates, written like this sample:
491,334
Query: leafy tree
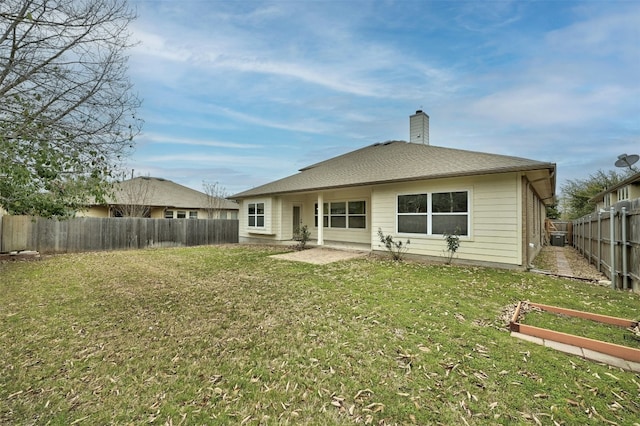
577,192
553,212
67,111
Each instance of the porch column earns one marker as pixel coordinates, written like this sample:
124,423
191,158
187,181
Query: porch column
320,219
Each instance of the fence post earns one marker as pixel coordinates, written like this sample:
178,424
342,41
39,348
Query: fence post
582,233
623,246
590,239
600,241
612,238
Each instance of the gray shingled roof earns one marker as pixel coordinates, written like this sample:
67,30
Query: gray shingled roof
165,193
396,161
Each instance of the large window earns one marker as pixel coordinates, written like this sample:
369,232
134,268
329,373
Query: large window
434,214
343,214
256,215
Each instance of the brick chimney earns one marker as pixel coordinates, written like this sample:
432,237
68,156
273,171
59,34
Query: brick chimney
419,128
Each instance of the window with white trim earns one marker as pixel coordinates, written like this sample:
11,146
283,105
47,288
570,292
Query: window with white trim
434,213
256,215
193,215
343,214
623,193
168,214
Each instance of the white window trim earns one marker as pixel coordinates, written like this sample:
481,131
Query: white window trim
429,213
256,215
327,213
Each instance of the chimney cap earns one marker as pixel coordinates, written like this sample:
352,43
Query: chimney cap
418,111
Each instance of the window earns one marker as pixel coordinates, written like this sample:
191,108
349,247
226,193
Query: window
193,215
343,214
623,193
168,214
182,214
357,215
412,213
256,214
434,214
449,210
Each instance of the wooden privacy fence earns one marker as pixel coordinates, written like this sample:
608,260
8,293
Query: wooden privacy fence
93,234
611,241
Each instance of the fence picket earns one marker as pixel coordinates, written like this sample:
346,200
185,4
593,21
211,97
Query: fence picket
614,245
19,233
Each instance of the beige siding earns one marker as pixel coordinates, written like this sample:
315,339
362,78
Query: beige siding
94,211
533,233
357,236
272,215
495,219
279,218
497,234
156,212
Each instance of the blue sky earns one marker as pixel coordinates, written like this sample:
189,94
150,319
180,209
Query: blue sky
244,92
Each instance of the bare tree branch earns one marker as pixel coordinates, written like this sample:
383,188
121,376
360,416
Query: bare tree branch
133,197
216,200
67,109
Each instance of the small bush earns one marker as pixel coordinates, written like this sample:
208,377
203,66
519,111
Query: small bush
396,248
303,237
453,244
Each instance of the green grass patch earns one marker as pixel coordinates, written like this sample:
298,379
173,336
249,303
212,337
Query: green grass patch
229,335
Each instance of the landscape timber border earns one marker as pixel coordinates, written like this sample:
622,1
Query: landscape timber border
588,348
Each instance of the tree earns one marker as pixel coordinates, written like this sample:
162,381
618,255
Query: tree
67,111
553,212
134,197
216,200
577,192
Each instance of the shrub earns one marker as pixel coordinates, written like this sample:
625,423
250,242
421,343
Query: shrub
395,248
303,237
453,244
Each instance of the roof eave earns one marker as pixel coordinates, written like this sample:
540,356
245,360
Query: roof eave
547,166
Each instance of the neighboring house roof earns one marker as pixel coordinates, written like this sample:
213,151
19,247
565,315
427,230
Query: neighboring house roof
398,161
161,192
635,178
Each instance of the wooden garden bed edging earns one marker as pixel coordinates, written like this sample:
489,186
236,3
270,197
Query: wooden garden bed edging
618,351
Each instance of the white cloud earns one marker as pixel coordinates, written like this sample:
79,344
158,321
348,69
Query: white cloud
546,106
167,139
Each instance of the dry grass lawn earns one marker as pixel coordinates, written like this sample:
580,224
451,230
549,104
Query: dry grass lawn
228,335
